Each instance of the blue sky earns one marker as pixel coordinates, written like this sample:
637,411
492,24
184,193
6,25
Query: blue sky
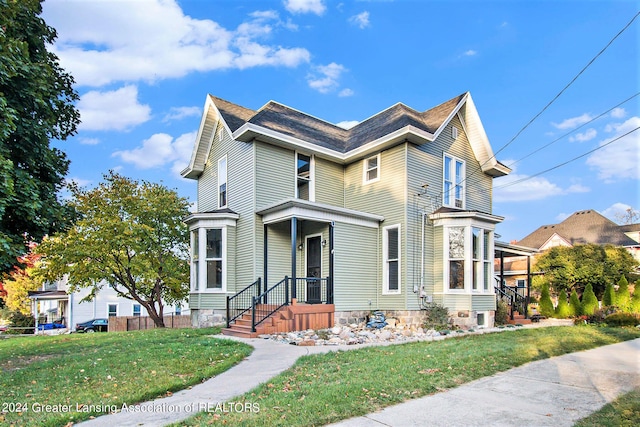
143,69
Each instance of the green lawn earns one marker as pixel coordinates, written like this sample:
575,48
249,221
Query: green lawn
624,412
75,373
321,389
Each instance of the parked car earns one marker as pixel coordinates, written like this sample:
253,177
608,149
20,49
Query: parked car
94,325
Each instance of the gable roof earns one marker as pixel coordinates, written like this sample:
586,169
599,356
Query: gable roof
282,125
580,228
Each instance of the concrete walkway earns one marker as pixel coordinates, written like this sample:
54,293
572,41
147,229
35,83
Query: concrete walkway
552,392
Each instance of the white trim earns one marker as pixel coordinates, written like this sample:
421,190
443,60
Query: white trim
133,311
226,182
312,175
385,260
486,319
366,169
117,308
452,191
302,209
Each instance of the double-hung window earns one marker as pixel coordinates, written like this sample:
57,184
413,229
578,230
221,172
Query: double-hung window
222,182
481,259
304,177
214,259
371,169
456,258
195,251
136,309
391,264
453,182
112,310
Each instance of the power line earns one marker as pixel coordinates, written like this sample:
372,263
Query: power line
552,101
576,129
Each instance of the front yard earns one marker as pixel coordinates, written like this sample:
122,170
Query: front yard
50,381
321,389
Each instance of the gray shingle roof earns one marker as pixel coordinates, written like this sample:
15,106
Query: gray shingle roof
580,228
283,119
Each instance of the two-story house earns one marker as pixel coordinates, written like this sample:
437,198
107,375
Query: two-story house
392,214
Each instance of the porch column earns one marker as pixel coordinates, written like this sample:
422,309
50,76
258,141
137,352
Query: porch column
265,259
331,243
294,248
526,314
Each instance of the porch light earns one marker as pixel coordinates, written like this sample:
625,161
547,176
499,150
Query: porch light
324,243
300,247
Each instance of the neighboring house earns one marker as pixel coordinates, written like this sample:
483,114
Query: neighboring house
391,214
582,227
55,302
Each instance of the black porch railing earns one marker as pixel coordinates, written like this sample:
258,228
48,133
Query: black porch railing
310,290
515,300
314,290
241,302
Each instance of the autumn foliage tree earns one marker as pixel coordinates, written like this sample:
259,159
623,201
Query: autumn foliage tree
130,236
20,281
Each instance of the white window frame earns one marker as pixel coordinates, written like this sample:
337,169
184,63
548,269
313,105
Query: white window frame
454,132
222,259
195,259
456,181
312,176
465,258
484,266
386,260
112,304
486,319
133,310
222,180
366,169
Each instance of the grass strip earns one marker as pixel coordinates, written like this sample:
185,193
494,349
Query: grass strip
321,389
623,412
81,372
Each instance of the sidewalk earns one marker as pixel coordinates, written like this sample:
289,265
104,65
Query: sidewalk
551,392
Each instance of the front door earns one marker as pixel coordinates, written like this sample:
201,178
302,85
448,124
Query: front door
314,269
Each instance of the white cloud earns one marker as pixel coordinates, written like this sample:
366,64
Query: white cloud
305,6
587,135
347,124
618,113
89,141
621,159
470,52
345,93
112,110
616,211
562,216
536,188
155,40
159,150
573,122
179,113
326,77
361,20
77,181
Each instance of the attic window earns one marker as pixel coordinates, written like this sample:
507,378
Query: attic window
454,132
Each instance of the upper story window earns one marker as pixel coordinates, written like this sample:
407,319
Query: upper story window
391,264
371,169
304,177
222,182
453,187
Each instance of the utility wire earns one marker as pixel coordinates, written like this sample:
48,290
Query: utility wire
554,98
574,130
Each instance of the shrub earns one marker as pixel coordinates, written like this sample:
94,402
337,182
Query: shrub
502,313
635,299
562,309
623,299
437,317
574,304
546,305
609,297
589,301
622,319
21,320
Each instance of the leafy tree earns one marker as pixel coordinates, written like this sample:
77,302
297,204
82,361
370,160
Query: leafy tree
20,281
130,236
609,297
546,305
635,299
623,298
562,309
581,265
575,308
589,301
36,106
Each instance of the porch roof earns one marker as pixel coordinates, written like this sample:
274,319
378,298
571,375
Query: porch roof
48,295
303,209
513,250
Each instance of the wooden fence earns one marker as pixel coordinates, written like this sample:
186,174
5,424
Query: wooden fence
136,323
